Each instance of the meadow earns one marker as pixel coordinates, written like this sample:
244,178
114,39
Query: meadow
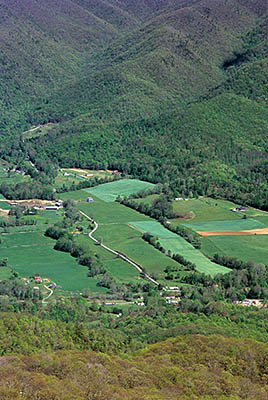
176,244
205,209
129,241
116,267
246,248
110,212
124,187
228,225
32,253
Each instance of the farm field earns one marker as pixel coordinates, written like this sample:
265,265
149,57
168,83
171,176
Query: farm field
33,253
5,273
176,244
246,248
110,212
110,191
228,225
128,241
119,269
207,209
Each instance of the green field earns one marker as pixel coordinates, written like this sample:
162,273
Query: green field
208,209
5,273
112,212
176,244
119,269
154,228
4,205
246,248
229,225
129,241
27,256
124,187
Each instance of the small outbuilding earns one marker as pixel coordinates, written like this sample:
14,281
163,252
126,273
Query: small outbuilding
90,200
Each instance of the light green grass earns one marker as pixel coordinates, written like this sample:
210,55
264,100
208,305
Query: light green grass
154,228
124,187
176,244
185,249
4,205
5,273
233,225
246,248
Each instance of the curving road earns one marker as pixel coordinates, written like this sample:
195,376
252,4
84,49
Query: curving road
125,258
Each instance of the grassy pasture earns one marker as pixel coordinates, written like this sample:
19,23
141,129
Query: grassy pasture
25,239
128,241
146,255
40,257
246,248
229,225
5,273
119,269
4,205
124,187
176,244
155,228
207,209
112,212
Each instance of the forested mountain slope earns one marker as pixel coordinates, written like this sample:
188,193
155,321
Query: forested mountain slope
167,91
190,367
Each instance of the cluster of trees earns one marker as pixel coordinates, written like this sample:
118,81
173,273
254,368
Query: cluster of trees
161,207
27,190
9,222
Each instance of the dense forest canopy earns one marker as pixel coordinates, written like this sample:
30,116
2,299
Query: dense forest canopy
173,92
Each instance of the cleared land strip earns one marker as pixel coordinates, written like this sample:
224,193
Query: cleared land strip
125,258
262,231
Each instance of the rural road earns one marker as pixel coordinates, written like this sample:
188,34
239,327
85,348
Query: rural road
50,294
125,258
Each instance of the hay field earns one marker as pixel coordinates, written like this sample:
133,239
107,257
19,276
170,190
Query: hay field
124,187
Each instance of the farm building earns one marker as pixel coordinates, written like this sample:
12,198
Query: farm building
38,279
90,200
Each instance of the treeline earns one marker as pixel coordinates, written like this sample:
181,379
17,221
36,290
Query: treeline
27,190
87,183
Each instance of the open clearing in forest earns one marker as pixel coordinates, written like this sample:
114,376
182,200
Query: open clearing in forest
246,248
125,187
